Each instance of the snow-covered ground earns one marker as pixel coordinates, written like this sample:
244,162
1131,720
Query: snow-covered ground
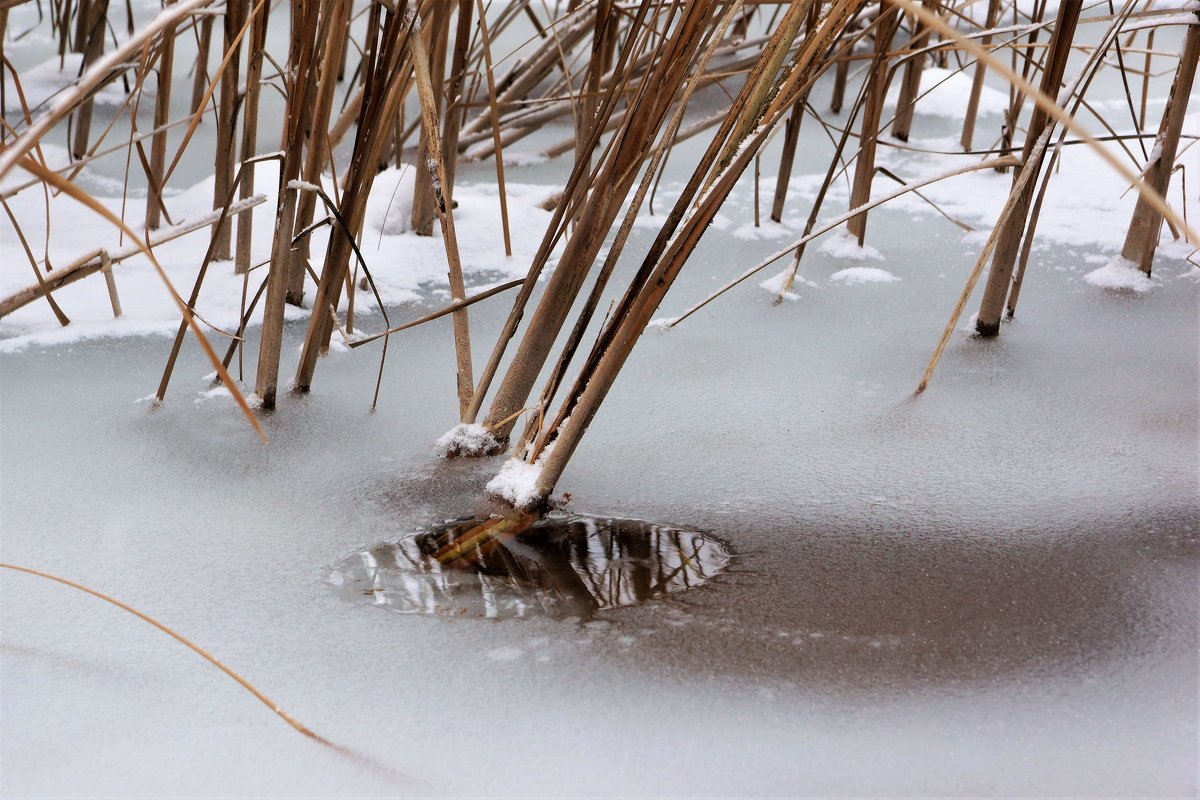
989,589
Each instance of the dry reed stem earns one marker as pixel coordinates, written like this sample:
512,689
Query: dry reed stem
435,168
761,103
301,47
991,307
207,656
1142,236
612,181
227,108
162,113
494,112
1024,178
386,80
249,144
652,169
876,91
441,312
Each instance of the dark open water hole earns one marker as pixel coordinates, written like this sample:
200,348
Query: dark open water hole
565,565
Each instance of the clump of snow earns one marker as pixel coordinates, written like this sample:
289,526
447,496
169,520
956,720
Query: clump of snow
468,439
855,275
842,245
305,186
776,282
1120,274
662,324
517,480
215,392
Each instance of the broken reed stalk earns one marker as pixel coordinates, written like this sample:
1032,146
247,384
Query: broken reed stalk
1142,237
91,262
200,651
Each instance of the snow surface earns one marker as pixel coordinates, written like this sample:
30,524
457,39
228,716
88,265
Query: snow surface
841,245
946,93
856,275
400,262
1120,274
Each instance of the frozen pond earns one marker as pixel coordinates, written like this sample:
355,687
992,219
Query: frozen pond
990,589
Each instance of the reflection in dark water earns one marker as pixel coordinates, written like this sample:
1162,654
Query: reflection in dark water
564,565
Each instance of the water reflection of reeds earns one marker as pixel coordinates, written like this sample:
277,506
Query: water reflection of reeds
561,566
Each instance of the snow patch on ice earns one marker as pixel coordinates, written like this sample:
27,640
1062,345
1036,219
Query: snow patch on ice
776,282
1120,274
406,267
768,230
842,245
517,480
468,439
213,393
856,275
949,95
